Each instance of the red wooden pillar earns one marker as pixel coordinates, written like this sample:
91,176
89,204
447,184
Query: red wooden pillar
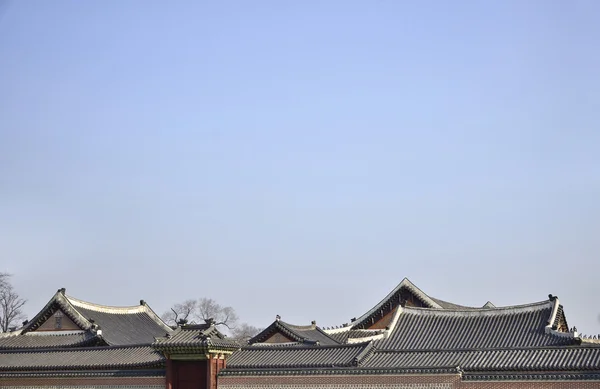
169,378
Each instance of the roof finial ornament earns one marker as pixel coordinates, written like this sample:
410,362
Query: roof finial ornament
277,317
182,322
142,302
210,321
62,290
313,323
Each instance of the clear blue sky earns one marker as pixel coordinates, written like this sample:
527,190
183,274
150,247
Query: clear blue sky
301,157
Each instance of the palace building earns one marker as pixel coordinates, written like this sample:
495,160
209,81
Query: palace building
409,340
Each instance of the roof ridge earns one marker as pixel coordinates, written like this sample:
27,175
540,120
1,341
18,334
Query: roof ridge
76,349
298,327
442,302
107,308
282,345
446,350
480,311
59,333
274,346
365,352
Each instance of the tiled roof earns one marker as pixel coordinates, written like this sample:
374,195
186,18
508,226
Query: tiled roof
274,357
354,334
134,325
436,329
303,334
45,374
520,359
513,341
123,325
81,358
448,305
191,338
29,340
341,336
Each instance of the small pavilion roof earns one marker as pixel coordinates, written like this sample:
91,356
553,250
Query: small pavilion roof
307,334
195,338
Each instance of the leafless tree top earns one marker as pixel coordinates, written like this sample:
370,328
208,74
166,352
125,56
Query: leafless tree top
11,304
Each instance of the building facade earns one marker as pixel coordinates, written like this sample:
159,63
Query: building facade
407,340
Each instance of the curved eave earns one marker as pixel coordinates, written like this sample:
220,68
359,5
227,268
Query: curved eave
120,310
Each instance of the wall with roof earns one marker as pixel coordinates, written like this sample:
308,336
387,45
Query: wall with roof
83,383
531,385
437,381
390,382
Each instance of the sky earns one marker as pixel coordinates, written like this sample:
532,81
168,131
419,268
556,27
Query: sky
301,158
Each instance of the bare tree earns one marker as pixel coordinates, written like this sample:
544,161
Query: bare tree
196,311
223,316
11,304
181,313
244,332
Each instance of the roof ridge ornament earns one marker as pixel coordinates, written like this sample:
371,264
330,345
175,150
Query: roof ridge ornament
210,321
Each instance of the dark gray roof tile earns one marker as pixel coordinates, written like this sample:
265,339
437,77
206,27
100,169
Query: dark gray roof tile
252,357
442,329
15,341
191,337
81,358
123,325
537,359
